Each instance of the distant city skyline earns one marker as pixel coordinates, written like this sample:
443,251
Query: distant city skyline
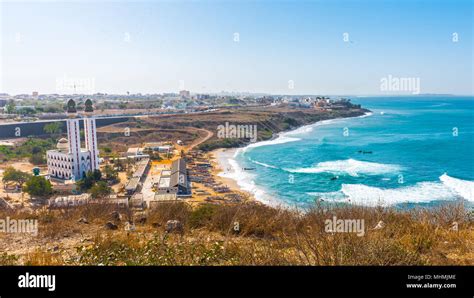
272,47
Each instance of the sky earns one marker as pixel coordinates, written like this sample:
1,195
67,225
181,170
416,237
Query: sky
341,47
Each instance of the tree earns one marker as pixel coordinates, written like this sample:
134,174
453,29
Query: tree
53,128
38,186
100,190
96,175
153,155
38,158
107,150
13,175
10,107
26,111
110,173
89,180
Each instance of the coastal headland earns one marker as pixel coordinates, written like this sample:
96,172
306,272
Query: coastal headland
229,228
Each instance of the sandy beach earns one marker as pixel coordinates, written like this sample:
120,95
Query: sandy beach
220,160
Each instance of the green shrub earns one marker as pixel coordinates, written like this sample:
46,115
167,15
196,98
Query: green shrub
202,215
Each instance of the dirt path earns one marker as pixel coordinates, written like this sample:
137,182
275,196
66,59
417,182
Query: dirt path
201,140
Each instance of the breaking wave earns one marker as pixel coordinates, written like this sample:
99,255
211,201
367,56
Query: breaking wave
262,164
462,187
350,167
287,137
423,192
245,181
279,140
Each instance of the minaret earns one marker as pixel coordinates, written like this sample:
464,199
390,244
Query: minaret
90,133
74,137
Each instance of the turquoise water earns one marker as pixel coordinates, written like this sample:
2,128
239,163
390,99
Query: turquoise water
410,151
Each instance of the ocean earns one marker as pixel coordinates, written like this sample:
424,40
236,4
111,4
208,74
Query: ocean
410,151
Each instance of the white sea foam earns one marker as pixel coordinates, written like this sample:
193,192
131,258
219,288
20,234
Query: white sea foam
244,179
350,166
262,164
368,114
309,128
331,196
288,136
279,140
422,192
461,187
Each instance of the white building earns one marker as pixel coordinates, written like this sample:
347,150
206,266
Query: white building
69,161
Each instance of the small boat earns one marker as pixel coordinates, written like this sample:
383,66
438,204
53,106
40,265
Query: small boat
334,178
248,169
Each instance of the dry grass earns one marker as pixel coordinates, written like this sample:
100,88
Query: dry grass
254,234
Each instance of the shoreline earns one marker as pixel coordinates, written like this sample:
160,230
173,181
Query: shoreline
221,159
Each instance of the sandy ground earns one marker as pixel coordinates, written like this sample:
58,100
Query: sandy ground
17,198
220,161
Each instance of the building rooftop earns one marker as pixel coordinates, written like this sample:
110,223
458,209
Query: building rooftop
178,165
141,167
165,173
179,175
134,151
132,184
164,182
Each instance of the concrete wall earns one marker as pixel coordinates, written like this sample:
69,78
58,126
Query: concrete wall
7,131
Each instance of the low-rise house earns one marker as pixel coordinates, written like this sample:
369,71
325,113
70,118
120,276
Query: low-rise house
69,201
136,153
175,181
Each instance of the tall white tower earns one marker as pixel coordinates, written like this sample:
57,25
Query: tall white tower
74,137
70,161
90,133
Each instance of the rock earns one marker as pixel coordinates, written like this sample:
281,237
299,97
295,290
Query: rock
116,216
141,220
111,226
83,220
174,226
379,225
